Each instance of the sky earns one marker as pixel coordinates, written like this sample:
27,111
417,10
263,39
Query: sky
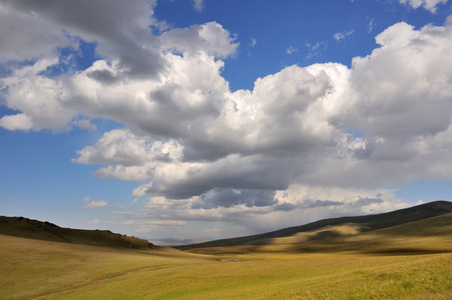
177,120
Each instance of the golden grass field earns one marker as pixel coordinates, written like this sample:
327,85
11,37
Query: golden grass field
411,261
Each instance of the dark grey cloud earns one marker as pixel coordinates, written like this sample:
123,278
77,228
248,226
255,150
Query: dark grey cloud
233,172
285,207
220,197
120,29
320,203
103,76
27,37
367,201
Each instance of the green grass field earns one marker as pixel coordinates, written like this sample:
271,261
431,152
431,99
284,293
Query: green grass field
408,261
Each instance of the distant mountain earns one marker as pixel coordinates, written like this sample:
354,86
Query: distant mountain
33,229
363,223
172,241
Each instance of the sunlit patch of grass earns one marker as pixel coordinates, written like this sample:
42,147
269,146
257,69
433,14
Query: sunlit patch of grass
346,229
305,277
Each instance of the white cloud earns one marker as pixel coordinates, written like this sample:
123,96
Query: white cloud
406,99
84,124
122,147
96,204
342,35
41,99
370,25
198,5
160,226
210,37
430,5
166,223
291,50
315,49
99,222
448,21
16,122
129,157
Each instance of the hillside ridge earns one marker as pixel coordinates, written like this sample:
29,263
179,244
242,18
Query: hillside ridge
43,230
368,222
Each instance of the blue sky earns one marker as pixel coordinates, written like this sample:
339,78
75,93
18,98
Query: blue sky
211,119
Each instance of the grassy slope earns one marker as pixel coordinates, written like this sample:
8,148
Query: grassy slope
29,267
432,235
52,270
23,227
367,223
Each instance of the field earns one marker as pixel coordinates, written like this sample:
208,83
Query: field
33,269
408,261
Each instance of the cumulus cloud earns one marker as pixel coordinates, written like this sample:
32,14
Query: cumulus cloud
405,99
129,157
116,88
293,127
39,98
122,147
205,153
210,37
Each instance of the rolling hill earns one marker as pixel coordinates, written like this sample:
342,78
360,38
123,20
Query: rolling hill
426,236
331,228
33,229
